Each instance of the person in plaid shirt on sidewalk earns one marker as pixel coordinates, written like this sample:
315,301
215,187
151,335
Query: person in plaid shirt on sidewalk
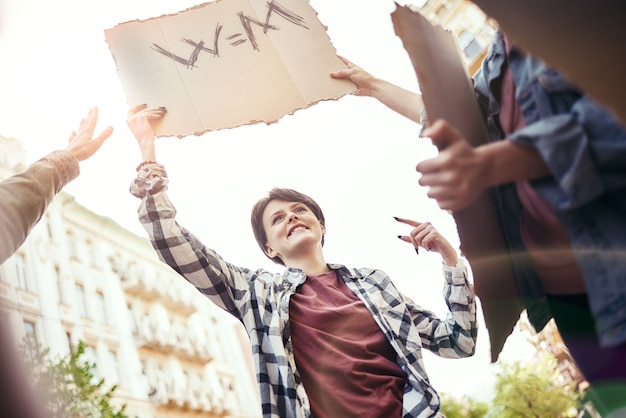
327,340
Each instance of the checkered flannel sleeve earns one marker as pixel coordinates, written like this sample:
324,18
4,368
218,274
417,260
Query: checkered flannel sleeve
224,284
454,337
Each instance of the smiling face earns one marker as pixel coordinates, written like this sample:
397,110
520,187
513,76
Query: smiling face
292,230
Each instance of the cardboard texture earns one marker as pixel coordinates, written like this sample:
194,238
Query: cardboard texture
448,93
585,40
227,63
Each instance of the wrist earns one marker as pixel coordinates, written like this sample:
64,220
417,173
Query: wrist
148,152
451,260
487,158
144,163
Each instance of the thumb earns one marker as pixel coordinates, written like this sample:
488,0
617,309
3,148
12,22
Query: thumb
442,134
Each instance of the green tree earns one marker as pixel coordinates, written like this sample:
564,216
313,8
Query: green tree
464,407
534,390
68,385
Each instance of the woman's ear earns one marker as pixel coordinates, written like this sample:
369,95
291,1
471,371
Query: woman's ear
269,251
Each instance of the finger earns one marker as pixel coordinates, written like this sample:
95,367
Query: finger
442,134
429,242
136,109
90,123
106,133
439,127
442,193
99,140
342,73
424,232
407,221
345,61
409,240
431,165
81,125
431,180
442,179
405,238
156,111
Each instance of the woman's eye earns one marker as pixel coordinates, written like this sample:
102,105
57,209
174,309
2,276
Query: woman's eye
277,219
300,210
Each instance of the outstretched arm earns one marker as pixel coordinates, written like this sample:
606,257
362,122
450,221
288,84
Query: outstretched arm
225,284
24,197
398,99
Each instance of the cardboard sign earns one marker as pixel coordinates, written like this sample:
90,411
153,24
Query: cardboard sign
227,63
448,93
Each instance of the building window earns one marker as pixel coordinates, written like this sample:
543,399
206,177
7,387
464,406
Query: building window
30,340
91,254
30,331
131,319
441,10
20,271
71,245
59,283
113,377
69,342
90,358
80,301
100,309
49,225
468,43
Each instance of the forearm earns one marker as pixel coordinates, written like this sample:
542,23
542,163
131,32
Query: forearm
398,99
449,256
506,162
25,197
147,148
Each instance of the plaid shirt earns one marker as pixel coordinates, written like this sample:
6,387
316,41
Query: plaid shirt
260,300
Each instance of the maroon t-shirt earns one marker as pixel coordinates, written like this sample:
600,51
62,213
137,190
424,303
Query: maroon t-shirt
346,363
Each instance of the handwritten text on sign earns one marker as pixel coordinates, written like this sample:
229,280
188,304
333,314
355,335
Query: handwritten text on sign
227,63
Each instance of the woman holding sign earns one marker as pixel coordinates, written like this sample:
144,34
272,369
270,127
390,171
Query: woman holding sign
327,340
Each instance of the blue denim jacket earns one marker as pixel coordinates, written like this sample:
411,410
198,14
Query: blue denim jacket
584,147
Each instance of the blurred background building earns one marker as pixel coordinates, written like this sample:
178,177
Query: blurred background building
471,27
81,277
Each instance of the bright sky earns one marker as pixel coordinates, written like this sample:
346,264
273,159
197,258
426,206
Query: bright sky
354,156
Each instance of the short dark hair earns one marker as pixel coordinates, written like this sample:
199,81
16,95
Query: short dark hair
287,195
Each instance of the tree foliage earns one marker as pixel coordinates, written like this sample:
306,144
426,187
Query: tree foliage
522,390
68,385
534,390
464,407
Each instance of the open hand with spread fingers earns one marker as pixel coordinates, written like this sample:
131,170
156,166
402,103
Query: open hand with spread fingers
82,143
